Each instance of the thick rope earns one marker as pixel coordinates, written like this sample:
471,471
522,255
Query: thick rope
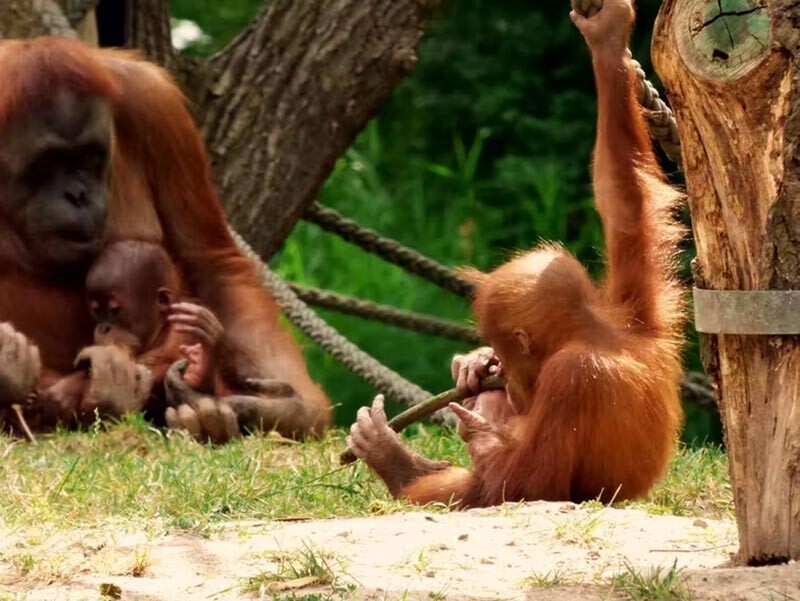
408,320
388,249
660,119
360,363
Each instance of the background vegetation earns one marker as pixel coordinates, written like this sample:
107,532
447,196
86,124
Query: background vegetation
483,150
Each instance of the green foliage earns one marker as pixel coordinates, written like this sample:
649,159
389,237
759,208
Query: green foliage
132,474
483,150
220,21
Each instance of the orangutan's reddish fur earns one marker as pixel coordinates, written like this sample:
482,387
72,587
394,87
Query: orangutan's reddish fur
597,401
161,191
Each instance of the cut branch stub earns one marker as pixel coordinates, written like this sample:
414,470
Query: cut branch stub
723,39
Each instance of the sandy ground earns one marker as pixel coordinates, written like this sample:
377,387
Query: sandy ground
552,551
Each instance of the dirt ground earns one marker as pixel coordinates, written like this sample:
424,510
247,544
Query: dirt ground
552,551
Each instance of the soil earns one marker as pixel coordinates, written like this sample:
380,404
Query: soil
553,551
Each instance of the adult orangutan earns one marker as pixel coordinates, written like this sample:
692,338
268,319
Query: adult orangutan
96,146
591,409
137,302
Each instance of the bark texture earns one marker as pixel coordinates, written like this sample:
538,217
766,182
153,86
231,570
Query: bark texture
30,18
284,100
731,72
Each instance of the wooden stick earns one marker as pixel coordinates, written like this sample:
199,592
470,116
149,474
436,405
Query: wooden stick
23,424
427,407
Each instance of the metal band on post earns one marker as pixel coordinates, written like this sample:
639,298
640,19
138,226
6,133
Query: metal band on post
747,312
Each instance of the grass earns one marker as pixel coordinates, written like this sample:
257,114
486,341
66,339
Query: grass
135,481
584,530
130,473
696,483
551,579
305,567
656,584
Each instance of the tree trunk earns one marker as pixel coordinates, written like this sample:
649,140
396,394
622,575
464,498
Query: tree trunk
29,18
286,98
731,72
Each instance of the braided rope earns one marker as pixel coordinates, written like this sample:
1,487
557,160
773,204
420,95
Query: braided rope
386,248
660,119
408,320
331,341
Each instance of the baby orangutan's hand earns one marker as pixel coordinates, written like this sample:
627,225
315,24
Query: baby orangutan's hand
481,435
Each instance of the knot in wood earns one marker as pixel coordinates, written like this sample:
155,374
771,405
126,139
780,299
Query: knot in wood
725,39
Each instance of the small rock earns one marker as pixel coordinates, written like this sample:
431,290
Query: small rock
567,507
464,537
430,574
700,524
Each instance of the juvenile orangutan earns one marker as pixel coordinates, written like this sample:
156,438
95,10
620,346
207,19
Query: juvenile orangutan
591,409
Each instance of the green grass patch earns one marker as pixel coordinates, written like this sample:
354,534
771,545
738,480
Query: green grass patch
132,473
696,483
552,579
656,584
306,567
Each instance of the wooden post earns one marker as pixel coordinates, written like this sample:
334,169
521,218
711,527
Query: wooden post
731,72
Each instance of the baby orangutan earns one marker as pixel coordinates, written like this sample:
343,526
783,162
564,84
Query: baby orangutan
131,291
136,298
591,409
